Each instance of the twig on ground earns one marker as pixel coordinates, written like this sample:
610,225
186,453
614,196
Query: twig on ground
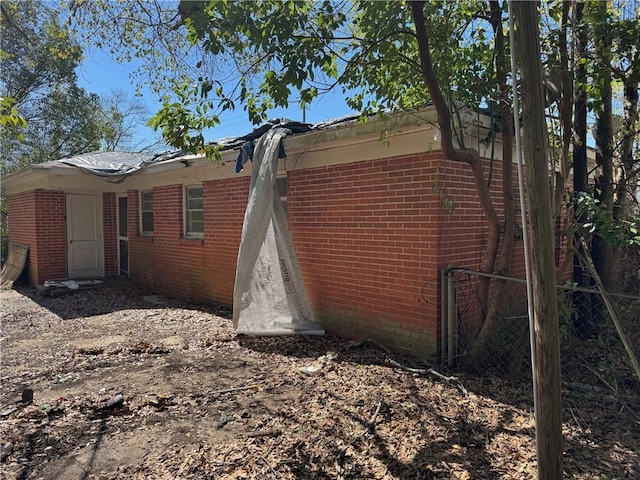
236,389
431,371
603,380
574,417
372,420
272,432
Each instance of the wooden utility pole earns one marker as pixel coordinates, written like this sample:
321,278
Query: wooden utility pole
541,240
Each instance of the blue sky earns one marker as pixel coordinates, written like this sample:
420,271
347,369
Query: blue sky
101,74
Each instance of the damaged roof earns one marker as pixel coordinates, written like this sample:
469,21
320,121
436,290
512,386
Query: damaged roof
114,167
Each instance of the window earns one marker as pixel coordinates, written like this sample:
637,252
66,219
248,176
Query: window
146,212
193,212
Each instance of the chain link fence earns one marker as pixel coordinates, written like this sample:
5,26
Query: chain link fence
593,351
4,248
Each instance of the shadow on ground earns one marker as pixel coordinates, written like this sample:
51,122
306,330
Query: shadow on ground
358,417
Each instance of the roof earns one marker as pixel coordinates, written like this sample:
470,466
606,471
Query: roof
116,166
105,163
294,126
113,165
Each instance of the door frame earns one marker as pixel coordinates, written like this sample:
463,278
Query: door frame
124,238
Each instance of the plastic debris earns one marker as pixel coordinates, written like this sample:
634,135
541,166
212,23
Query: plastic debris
321,362
114,401
328,357
311,369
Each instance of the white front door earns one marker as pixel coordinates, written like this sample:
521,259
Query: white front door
84,236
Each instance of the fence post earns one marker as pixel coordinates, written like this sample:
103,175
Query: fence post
451,321
443,316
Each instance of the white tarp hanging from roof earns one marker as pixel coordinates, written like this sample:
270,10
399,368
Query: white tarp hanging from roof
269,297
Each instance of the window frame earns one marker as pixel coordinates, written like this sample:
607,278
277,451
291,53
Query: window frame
185,211
143,211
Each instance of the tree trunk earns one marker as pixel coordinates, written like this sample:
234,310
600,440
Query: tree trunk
582,312
504,262
465,155
628,172
545,303
601,251
561,194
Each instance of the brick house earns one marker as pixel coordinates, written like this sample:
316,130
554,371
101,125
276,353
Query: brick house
374,221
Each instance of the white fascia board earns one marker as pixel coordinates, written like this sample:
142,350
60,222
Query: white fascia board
61,170
12,178
34,176
354,132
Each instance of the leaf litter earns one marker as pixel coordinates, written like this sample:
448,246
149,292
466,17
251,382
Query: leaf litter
130,389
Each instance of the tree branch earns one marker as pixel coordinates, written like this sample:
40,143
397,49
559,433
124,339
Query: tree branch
442,108
466,155
7,18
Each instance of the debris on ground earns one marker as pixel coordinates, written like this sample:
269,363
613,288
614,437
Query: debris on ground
56,288
13,267
114,402
132,389
27,395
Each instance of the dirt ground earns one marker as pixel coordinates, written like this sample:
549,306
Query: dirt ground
199,402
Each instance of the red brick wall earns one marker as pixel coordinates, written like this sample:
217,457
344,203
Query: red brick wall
371,238
37,219
51,234
110,233
366,236
200,270
21,221
463,231
225,204
463,234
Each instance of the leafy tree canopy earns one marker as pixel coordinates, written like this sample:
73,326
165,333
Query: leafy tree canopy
147,30
45,115
38,73
268,54
292,52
